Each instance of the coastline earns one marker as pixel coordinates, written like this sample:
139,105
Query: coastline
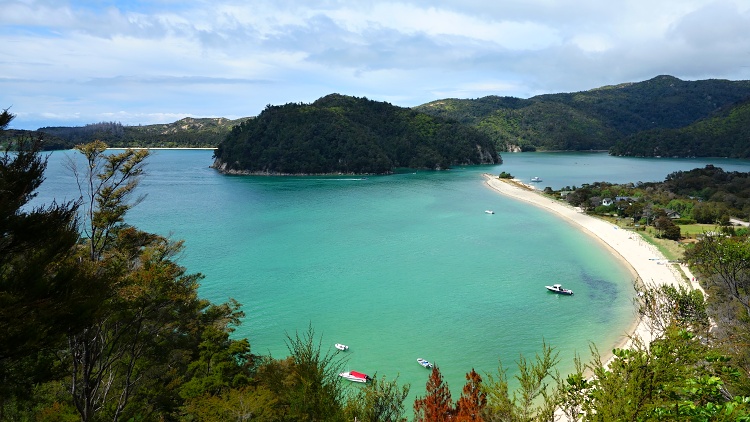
646,263
124,148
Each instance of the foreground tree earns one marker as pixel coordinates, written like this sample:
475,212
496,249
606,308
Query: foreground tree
678,376
437,405
130,360
724,262
43,293
379,400
675,378
535,398
472,401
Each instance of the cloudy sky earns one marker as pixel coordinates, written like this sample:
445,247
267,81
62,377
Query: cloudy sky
70,63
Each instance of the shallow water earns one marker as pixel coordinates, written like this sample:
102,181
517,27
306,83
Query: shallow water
397,267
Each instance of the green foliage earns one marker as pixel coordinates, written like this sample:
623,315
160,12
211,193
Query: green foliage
704,195
43,292
535,398
340,134
306,385
505,175
148,332
106,183
724,134
610,117
646,383
667,306
246,403
379,400
222,364
666,228
725,261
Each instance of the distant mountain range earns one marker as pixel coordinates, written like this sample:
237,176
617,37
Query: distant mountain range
601,118
663,116
187,133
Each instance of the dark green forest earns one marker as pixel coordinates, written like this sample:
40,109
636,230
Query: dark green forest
99,322
603,117
349,135
725,133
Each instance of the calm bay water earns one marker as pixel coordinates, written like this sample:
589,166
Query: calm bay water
397,267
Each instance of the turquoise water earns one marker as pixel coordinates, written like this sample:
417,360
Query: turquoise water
397,267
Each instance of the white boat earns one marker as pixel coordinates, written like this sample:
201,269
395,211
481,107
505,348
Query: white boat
536,179
489,211
355,376
558,288
342,347
424,363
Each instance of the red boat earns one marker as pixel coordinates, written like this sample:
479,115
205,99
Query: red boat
355,376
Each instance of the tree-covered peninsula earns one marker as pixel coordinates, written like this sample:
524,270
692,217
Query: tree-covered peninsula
340,134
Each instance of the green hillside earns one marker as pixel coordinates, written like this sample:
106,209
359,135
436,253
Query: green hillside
724,134
594,119
350,135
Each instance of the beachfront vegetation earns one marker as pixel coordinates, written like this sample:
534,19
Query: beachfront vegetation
650,118
706,195
107,326
349,135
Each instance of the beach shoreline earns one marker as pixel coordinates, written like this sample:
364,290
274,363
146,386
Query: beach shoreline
648,265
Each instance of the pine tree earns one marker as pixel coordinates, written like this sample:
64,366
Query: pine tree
473,399
437,405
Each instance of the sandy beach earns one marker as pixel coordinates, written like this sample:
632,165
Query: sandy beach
647,264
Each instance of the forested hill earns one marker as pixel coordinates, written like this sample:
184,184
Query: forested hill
349,135
594,119
724,134
188,133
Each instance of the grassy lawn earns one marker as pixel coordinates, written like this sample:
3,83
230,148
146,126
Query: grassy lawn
692,230
672,250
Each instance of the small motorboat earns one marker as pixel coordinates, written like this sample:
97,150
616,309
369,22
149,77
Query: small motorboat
536,179
355,376
342,347
558,288
424,363
489,211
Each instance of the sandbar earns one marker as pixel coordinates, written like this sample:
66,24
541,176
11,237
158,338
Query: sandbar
648,265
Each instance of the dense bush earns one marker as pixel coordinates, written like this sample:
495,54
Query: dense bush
341,134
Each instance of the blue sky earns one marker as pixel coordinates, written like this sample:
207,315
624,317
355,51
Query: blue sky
69,63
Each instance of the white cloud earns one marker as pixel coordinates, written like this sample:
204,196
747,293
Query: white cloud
77,61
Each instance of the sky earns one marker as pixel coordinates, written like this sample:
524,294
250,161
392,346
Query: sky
72,63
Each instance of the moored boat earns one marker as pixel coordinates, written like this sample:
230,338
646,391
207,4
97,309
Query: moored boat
536,179
489,211
558,288
342,347
355,376
424,362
